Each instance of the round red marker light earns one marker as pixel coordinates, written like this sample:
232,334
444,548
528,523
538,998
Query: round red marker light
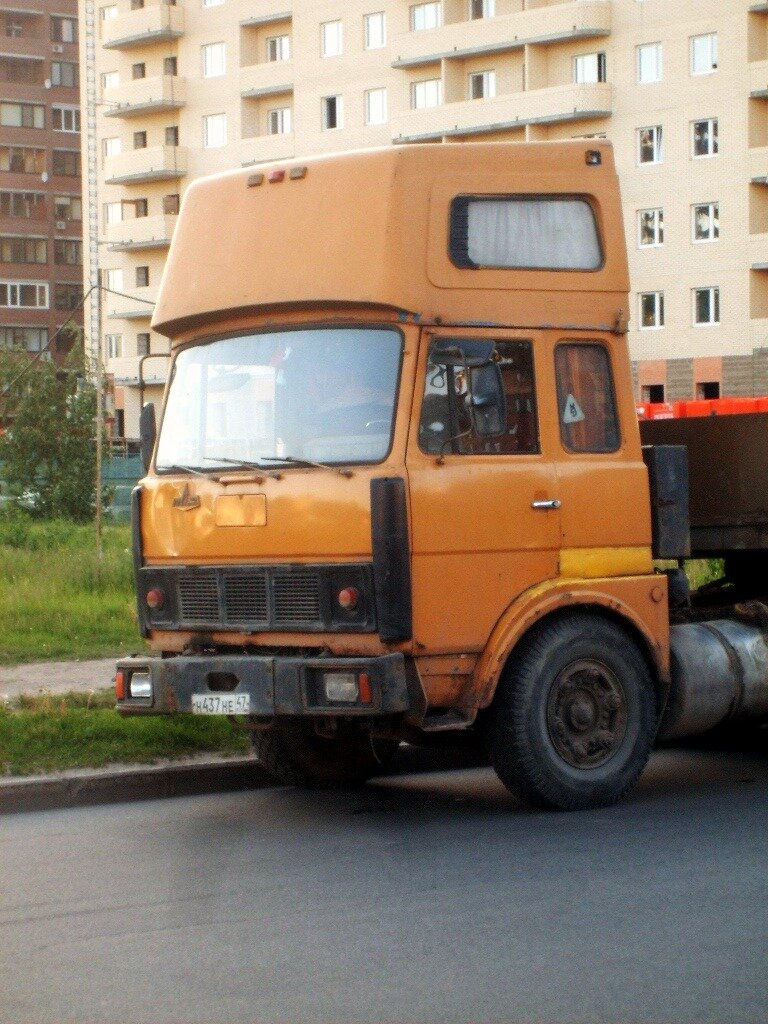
155,598
349,598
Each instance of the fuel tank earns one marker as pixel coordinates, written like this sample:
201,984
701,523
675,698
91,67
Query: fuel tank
719,673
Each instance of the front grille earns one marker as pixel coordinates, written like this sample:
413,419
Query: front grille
297,597
199,597
245,597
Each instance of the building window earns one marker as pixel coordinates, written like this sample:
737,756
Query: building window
653,393
482,85
706,222
26,205
67,208
23,295
63,30
708,389
142,343
704,137
64,73
171,204
706,307
481,9
65,119
651,310
113,343
214,60
137,5
22,159
113,213
279,121
170,66
67,296
33,339
142,277
212,3
426,16
22,115
68,252
704,54
589,68
649,63
650,228
426,94
20,249
650,145
108,13
214,131
110,79
333,112
376,106
278,48
171,135
66,162
113,279
331,39
140,206
111,147
140,140
375,30
138,70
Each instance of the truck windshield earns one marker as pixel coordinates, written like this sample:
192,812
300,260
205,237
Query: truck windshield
324,395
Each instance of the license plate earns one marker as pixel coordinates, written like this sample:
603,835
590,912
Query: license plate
221,703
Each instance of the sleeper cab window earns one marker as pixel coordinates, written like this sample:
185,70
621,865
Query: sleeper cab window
586,399
479,410
524,232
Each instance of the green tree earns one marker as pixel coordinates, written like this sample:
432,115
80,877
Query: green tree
48,452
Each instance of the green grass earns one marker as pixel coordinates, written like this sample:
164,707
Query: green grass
45,733
57,602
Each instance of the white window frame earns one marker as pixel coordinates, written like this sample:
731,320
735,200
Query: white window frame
375,38
487,80
589,68
70,118
426,16
657,227
427,93
658,145
114,279
649,63
214,59
279,121
713,138
713,219
108,13
214,131
42,294
278,48
212,3
113,346
704,62
376,111
658,311
338,101
110,79
714,306
111,147
331,38
113,213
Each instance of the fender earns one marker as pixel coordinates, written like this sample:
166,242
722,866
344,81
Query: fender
641,601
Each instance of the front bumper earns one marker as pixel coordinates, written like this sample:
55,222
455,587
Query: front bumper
275,685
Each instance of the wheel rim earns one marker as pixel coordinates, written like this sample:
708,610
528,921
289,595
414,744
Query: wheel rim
586,714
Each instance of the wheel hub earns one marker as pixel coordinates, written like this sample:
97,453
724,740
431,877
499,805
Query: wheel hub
586,714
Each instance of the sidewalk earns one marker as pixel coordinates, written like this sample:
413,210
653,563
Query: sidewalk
57,677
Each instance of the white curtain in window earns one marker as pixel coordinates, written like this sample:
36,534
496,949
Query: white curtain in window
535,233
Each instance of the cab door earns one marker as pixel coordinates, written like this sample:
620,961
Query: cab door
485,510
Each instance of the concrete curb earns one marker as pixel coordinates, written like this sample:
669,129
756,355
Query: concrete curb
83,787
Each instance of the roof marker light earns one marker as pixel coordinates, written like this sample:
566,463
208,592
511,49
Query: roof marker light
297,172
276,175
255,179
594,157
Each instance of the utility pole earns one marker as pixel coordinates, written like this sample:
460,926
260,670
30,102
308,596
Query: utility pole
94,303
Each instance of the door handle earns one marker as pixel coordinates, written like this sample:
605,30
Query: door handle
549,503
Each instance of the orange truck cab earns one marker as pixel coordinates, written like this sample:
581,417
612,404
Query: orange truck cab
397,490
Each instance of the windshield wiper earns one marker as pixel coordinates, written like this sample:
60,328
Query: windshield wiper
292,460
258,467
178,468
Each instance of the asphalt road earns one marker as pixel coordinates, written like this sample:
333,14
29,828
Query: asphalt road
420,898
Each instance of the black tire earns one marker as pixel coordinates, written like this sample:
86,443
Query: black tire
573,720
295,755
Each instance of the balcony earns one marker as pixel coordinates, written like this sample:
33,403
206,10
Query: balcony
141,233
157,163
264,148
266,19
582,19
147,25
502,113
136,304
758,165
758,252
145,95
758,79
273,78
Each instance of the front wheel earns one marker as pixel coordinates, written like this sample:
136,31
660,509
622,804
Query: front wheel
573,719
295,755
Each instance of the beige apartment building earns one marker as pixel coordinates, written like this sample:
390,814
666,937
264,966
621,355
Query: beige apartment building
681,89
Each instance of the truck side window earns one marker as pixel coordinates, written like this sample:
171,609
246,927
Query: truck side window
586,399
446,425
